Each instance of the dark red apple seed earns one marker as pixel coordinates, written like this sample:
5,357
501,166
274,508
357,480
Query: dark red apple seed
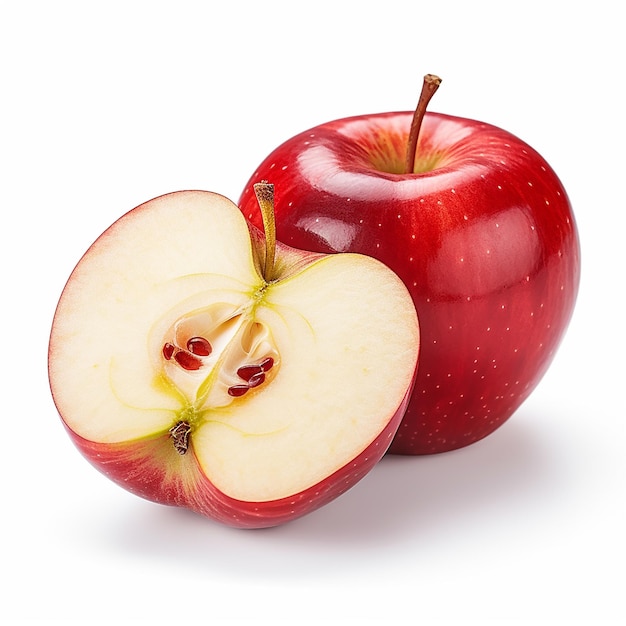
237,391
199,346
267,364
168,351
187,360
256,380
246,372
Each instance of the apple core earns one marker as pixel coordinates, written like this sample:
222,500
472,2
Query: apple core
215,355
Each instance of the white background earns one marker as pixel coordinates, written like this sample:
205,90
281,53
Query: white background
107,104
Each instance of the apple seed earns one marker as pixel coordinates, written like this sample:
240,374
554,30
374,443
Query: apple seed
236,391
199,346
267,364
246,372
187,360
256,380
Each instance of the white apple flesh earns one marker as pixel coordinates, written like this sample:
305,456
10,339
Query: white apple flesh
197,366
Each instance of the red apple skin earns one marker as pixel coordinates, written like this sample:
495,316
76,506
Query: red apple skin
486,242
152,469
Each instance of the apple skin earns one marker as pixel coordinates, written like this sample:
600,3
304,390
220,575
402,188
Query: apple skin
151,469
483,235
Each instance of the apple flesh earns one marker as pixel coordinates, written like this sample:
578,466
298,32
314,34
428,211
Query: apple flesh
481,232
199,364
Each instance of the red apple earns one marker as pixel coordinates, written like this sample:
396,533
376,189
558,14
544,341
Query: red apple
480,230
197,362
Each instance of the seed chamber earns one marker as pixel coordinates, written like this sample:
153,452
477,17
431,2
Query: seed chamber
215,356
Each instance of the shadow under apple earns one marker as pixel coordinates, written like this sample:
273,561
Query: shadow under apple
406,503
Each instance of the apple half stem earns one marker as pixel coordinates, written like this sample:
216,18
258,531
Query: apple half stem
265,197
429,87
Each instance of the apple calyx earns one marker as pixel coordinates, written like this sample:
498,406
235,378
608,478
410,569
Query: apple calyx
429,87
180,436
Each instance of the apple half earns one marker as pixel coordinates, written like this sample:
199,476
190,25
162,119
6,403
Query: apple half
199,363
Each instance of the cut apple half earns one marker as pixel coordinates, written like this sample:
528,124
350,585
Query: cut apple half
200,363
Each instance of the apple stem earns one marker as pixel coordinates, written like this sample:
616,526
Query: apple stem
430,85
265,197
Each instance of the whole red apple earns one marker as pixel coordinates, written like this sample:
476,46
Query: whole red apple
480,230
